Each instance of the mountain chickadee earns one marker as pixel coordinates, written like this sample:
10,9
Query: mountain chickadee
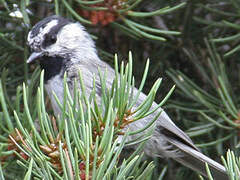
64,46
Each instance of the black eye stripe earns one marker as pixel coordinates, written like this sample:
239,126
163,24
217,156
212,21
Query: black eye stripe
54,30
51,36
49,39
41,24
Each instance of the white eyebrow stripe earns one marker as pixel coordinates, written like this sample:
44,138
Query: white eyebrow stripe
37,40
47,28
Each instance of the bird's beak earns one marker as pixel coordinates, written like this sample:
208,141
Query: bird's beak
34,56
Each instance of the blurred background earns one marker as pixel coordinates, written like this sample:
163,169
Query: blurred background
193,44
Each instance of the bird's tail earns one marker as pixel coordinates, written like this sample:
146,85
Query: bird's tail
196,161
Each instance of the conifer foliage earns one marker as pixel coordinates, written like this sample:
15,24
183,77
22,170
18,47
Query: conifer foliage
193,44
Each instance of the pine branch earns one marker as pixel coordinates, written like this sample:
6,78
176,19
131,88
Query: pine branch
86,141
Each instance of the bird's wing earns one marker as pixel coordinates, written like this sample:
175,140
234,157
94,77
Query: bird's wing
189,155
166,125
170,130
196,161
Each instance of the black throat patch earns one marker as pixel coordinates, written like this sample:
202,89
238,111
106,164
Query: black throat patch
53,66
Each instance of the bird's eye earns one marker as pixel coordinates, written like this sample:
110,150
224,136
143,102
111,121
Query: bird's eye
53,39
49,40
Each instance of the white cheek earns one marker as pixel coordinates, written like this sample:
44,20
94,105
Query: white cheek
57,49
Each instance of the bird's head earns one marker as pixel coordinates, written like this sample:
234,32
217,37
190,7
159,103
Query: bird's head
56,36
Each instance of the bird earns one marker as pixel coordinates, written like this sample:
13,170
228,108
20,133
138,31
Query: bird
63,46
